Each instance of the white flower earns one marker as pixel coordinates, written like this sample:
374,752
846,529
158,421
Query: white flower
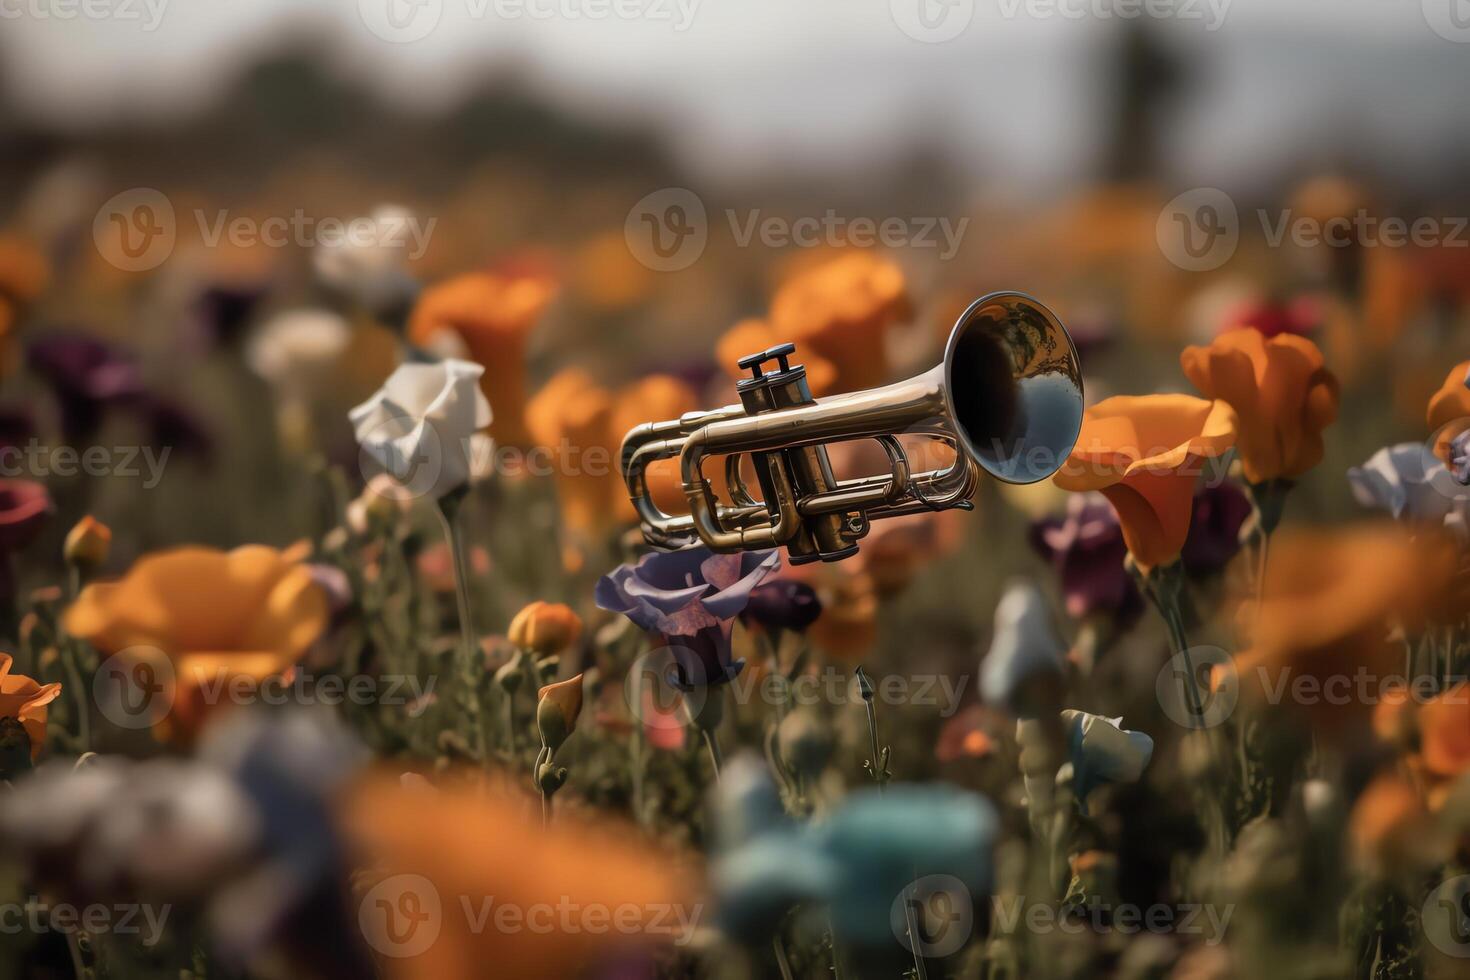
1025,649
368,265
423,426
1103,751
295,349
1410,482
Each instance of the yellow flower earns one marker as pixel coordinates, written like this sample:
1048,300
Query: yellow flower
1282,393
545,628
1145,454
492,317
24,700
215,616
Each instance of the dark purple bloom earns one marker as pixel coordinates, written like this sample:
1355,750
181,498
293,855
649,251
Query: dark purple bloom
784,604
86,376
1214,528
1086,548
689,598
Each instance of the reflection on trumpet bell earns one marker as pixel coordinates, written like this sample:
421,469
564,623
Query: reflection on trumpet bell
1007,398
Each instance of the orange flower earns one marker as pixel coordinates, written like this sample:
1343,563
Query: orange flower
545,627
24,271
558,706
848,627
1144,453
841,311
1388,824
24,701
652,399
492,316
1448,414
87,543
214,616
433,852
1282,394
754,336
1444,732
572,410
1330,598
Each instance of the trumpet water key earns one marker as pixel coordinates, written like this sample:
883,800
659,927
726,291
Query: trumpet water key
1007,398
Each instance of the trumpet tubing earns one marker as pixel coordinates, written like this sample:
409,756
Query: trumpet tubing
1007,398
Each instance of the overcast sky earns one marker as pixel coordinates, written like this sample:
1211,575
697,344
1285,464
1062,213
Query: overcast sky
818,81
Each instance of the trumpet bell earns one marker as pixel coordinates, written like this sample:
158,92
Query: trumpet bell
1013,385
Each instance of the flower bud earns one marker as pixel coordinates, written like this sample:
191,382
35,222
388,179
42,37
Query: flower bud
87,544
545,628
511,673
557,711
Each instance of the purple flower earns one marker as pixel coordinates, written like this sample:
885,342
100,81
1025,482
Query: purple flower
86,376
1214,528
689,598
1410,482
1086,548
784,604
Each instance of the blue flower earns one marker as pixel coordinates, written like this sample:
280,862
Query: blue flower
861,862
1023,669
1103,751
1410,482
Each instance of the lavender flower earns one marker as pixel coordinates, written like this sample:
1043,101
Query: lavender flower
1086,548
689,598
1409,482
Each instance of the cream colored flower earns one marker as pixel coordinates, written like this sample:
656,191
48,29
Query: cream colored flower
424,426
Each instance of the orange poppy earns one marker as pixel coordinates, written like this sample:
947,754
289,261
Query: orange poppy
1388,824
215,616
754,336
655,398
574,411
1448,413
1282,393
1329,600
492,316
842,311
545,627
557,708
1145,454
442,860
24,700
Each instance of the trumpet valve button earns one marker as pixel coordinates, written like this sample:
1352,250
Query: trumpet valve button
754,362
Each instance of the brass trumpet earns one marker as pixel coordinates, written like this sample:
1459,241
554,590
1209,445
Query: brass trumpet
1007,397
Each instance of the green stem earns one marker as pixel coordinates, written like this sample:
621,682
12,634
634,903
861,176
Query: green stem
712,742
469,667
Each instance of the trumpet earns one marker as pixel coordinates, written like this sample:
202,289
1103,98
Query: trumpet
1007,398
